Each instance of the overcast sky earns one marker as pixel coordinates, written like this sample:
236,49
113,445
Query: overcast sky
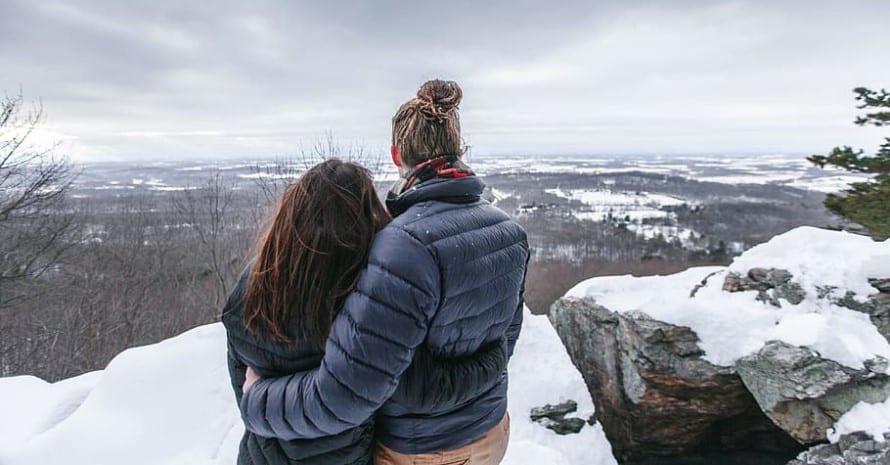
171,79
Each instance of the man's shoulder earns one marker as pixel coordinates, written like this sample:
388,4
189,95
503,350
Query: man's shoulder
428,224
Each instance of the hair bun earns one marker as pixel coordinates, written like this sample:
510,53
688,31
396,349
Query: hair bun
436,98
445,94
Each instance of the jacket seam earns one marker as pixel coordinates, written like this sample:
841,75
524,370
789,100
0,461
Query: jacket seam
480,228
348,388
390,306
479,315
499,249
486,283
376,334
358,362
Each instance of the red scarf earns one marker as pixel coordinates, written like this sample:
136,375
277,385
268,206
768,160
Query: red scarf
448,166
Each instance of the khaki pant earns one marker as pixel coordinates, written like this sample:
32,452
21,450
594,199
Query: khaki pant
487,450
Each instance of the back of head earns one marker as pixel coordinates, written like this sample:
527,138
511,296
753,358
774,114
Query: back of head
428,126
311,255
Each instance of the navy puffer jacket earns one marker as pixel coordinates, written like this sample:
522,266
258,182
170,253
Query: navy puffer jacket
455,380
446,274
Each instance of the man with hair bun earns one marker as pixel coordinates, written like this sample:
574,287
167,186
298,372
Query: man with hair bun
444,281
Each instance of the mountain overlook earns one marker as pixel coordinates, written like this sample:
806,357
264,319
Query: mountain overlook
786,348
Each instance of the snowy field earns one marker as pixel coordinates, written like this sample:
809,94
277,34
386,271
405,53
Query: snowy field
171,404
618,190
733,325
779,169
635,206
631,208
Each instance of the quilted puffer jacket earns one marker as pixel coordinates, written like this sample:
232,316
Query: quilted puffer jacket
446,276
435,384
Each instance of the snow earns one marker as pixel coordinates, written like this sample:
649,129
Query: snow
873,419
43,406
651,231
499,194
733,325
267,175
827,184
172,403
168,403
541,372
634,207
637,206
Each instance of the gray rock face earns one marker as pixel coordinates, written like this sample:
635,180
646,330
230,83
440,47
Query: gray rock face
564,426
553,418
553,412
654,394
851,449
881,284
805,394
771,285
877,306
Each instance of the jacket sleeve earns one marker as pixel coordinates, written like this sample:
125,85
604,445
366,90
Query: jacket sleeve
232,309
372,341
237,372
432,385
516,325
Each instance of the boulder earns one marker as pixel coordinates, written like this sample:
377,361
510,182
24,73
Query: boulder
655,396
805,394
851,449
553,418
564,426
553,412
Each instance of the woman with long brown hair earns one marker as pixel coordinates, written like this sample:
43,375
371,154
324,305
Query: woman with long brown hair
446,276
279,315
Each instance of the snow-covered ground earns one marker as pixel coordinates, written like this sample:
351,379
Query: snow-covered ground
780,169
733,325
632,208
171,403
634,205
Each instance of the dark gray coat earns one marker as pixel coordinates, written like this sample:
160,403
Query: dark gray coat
446,275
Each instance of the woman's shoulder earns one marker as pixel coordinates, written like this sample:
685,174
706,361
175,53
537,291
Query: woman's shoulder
266,355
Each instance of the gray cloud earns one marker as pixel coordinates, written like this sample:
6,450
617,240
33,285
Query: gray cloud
196,79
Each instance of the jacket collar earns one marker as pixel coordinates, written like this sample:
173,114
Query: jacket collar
452,190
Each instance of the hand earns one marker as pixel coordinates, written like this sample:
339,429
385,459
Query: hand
249,379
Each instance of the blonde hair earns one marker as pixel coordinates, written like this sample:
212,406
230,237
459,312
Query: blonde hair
428,126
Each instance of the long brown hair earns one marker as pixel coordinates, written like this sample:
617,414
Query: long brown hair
428,126
311,255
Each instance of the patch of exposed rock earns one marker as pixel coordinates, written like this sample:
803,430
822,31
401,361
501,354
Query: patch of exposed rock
877,306
851,449
805,394
553,417
655,396
771,285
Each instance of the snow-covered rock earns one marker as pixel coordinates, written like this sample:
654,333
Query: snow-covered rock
821,290
827,265
655,395
851,449
171,403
